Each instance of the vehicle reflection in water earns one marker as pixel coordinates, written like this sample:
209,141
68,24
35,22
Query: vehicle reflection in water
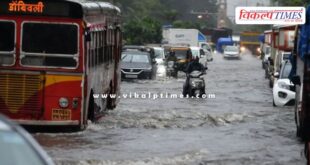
239,126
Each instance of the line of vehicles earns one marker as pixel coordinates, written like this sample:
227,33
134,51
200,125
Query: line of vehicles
181,47
276,52
286,59
147,62
184,44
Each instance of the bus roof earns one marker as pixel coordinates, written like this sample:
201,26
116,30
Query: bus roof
57,8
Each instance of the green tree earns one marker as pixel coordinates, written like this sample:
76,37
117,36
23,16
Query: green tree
291,2
141,31
143,19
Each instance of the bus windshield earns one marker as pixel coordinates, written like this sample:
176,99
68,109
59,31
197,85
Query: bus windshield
49,44
7,42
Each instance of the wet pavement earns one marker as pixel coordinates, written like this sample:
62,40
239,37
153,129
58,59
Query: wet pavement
239,126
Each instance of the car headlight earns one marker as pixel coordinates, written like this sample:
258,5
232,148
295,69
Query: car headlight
193,84
148,69
283,85
63,102
242,49
197,83
258,50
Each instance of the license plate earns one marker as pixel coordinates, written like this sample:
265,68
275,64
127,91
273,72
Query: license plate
61,114
131,76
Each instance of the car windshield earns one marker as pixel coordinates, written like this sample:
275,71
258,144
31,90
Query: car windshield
206,47
135,58
181,54
16,151
195,53
231,48
159,53
286,71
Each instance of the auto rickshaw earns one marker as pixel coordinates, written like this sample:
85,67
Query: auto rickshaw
183,55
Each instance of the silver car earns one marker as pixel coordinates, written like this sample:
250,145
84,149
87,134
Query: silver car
231,52
17,147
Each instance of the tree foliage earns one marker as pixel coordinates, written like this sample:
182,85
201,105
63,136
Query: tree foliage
291,2
143,19
140,31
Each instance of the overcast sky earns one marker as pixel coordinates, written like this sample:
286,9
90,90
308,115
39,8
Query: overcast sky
231,4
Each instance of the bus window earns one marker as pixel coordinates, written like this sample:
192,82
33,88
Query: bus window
52,45
7,42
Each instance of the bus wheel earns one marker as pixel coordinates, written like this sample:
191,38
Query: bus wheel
91,110
111,101
307,154
297,125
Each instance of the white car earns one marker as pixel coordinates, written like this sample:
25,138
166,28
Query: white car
159,55
231,52
160,60
200,53
283,88
18,147
208,52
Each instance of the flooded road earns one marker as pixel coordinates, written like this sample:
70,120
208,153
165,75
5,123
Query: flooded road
239,126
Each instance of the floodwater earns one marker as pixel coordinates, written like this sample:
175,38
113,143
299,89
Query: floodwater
237,127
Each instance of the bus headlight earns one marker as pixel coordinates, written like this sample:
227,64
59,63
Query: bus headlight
63,102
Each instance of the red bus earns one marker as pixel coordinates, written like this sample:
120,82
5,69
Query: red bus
54,56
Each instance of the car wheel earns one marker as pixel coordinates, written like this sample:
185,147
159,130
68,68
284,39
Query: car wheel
270,83
297,126
150,76
273,104
266,74
175,74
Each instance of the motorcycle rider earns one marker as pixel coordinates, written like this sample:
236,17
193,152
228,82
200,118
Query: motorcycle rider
171,69
172,57
192,66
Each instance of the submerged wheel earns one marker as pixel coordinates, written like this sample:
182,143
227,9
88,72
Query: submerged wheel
270,83
273,104
91,109
307,150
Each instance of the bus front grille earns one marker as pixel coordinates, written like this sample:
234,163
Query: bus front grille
20,93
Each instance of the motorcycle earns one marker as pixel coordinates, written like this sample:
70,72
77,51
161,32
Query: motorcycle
172,69
196,85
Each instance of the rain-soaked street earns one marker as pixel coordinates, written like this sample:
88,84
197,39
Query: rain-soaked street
239,126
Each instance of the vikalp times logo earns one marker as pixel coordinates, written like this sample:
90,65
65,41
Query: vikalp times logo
270,15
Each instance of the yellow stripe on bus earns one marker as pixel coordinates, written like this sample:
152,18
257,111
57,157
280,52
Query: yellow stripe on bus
249,43
53,79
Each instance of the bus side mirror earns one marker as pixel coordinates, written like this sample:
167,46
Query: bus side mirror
87,36
296,80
